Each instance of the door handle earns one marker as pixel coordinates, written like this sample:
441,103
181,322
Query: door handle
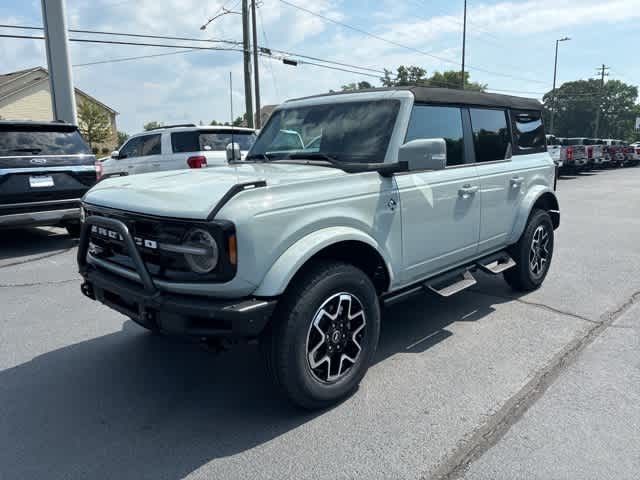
516,182
468,190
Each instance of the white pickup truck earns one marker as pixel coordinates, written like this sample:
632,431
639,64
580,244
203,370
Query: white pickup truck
556,150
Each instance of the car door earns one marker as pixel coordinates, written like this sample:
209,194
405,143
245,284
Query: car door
509,149
123,163
148,159
440,209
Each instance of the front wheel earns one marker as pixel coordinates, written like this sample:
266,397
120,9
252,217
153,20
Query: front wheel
324,334
532,253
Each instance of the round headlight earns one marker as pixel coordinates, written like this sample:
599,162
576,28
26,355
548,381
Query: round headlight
207,260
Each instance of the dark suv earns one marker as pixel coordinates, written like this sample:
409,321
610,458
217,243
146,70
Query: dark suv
45,168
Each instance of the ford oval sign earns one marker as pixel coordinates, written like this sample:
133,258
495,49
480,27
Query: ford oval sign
39,161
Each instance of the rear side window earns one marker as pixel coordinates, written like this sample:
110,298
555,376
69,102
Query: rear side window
31,142
439,122
204,141
490,134
150,145
528,131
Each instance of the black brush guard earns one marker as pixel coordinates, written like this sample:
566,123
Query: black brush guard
143,302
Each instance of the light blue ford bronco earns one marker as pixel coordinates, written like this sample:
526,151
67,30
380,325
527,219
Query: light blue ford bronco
346,203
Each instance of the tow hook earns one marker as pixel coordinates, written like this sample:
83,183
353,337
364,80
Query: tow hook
87,290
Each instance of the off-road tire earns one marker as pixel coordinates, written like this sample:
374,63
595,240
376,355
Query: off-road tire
522,277
285,343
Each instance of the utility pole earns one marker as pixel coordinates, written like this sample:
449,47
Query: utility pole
63,100
553,92
464,40
256,67
603,73
247,63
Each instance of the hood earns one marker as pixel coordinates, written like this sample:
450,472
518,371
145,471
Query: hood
194,194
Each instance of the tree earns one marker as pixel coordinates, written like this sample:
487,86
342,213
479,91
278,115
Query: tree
453,79
417,76
152,125
577,104
356,86
122,137
93,122
404,77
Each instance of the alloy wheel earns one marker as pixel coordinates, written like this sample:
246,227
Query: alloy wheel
334,339
539,252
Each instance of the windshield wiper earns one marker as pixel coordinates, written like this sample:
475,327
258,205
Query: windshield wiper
316,156
257,156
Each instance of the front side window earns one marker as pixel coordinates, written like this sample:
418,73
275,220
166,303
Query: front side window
357,132
132,148
150,145
490,134
439,122
528,131
32,141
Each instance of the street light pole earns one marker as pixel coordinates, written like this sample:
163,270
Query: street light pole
464,40
256,66
553,91
247,63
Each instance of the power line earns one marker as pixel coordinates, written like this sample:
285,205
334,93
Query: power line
120,42
124,34
266,53
407,47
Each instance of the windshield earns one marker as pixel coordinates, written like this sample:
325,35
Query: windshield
37,142
216,141
356,132
574,141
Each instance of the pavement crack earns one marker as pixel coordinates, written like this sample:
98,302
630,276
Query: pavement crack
498,424
539,305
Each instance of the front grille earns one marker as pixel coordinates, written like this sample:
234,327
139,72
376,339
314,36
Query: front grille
148,233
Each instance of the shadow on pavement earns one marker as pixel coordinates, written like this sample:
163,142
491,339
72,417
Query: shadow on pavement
134,405
33,241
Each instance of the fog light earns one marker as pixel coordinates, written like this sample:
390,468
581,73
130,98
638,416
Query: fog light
201,263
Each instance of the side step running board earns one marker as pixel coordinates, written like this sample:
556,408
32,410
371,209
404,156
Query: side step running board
450,284
496,264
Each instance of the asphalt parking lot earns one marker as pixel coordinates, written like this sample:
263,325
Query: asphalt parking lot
486,384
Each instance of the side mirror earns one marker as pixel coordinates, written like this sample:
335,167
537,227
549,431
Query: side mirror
115,154
233,152
424,154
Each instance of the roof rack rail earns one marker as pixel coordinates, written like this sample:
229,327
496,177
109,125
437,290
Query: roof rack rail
173,126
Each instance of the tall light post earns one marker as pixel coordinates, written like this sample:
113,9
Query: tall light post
464,40
553,92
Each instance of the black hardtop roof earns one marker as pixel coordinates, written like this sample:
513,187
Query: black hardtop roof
452,96
55,126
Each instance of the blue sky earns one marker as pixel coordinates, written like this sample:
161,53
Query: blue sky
510,47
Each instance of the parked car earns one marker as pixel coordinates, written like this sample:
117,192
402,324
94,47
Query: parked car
595,151
615,151
45,168
556,150
576,154
407,190
176,147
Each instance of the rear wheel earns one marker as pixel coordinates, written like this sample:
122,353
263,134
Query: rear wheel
532,253
324,335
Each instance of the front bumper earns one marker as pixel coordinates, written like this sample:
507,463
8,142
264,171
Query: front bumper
178,314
